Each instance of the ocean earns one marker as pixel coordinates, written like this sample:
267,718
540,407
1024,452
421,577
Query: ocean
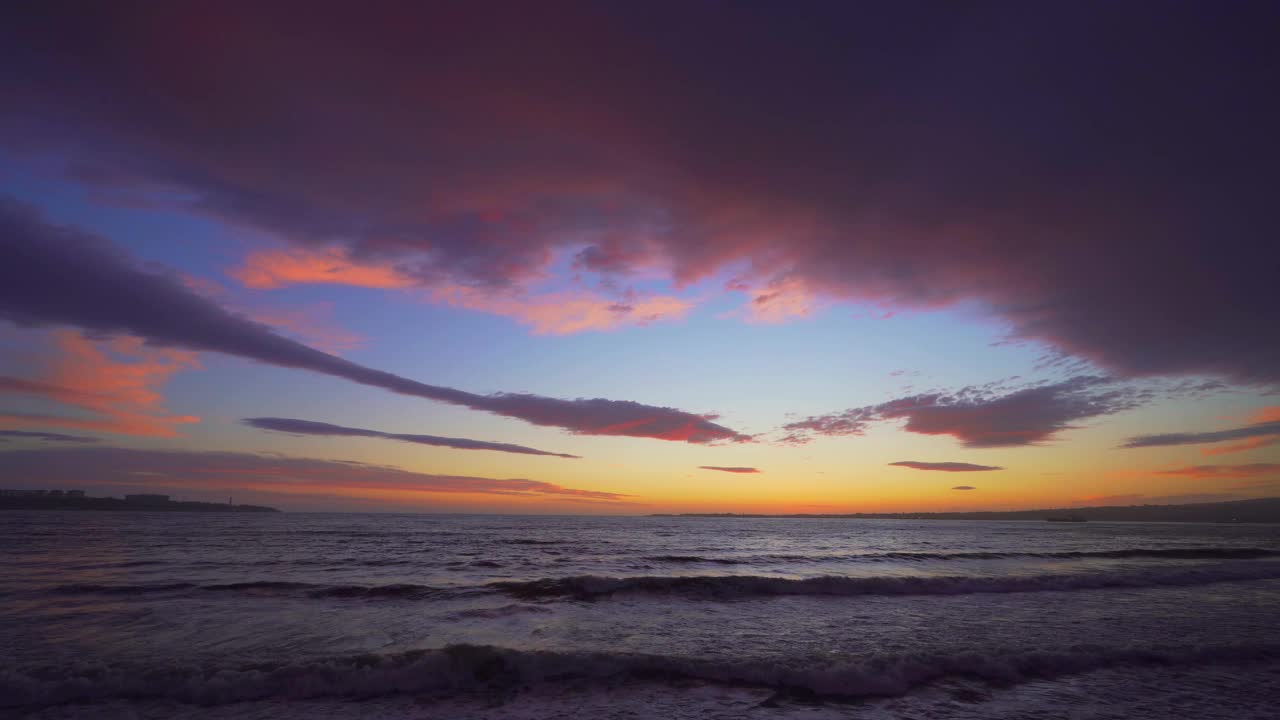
297,615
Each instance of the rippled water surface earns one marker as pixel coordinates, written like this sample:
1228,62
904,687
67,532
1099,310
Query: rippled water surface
412,616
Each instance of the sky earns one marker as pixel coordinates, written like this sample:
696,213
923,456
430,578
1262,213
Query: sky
626,258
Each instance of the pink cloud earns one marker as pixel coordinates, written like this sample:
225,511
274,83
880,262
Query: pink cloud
116,381
779,301
546,313
268,269
565,312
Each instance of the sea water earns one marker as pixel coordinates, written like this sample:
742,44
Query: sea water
296,615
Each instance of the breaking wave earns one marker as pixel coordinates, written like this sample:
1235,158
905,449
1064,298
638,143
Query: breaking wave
466,668
729,587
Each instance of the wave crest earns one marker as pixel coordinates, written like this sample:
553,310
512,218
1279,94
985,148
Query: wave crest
729,587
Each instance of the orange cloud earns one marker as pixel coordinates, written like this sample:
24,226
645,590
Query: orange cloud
1250,444
269,269
1267,414
565,312
117,381
1251,470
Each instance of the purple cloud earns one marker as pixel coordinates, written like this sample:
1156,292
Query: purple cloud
985,417
1261,429
176,468
743,470
1061,188
309,427
44,436
946,467
54,275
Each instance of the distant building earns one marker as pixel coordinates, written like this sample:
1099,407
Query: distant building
22,493
56,493
146,498
75,493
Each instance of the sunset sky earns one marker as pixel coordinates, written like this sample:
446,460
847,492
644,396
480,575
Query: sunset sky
641,257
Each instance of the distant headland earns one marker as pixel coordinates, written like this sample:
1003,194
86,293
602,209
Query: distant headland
77,500
1263,510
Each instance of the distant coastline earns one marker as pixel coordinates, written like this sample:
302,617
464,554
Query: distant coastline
1264,510
57,500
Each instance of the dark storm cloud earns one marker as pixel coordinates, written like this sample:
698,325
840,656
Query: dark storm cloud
309,427
44,436
982,417
1097,175
946,467
53,275
1262,429
176,468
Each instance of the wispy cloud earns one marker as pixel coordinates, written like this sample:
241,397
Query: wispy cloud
1213,472
309,427
945,467
44,436
559,312
173,468
117,382
567,311
1245,446
60,276
1254,436
985,416
1136,499
742,470
269,269
964,487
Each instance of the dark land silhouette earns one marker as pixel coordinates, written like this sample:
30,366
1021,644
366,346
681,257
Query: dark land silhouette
137,503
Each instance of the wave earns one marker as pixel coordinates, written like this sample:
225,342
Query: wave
699,559
470,668
722,587
264,588
1191,553
729,587
140,589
